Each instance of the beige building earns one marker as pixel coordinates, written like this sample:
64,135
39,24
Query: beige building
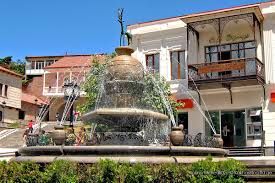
10,95
223,61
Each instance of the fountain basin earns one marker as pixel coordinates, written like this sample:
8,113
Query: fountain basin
123,112
92,154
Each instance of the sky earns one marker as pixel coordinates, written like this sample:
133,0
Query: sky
57,27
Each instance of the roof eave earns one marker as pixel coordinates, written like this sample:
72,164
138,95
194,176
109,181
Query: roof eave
220,13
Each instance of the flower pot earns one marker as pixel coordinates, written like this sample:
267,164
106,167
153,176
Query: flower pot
176,136
58,135
219,140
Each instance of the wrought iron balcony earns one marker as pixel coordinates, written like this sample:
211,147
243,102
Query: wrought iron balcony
237,72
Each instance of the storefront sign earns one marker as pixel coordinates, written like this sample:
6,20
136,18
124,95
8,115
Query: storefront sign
221,67
186,103
272,97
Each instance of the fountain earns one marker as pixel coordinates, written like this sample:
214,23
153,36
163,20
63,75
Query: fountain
136,131
138,134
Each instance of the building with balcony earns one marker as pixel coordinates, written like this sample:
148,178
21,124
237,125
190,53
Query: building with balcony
35,64
220,64
68,69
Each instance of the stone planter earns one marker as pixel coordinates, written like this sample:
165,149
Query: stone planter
176,136
58,135
218,139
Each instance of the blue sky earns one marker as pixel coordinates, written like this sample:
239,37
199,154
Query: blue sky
54,27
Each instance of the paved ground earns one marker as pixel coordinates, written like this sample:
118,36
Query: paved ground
13,138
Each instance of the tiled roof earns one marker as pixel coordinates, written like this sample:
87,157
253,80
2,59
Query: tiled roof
74,61
54,56
195,14
3,69
29,98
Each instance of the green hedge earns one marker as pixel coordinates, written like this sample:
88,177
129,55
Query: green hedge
107,171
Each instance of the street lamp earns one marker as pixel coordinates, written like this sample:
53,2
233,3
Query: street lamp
3,106
41,117
71,93
36,109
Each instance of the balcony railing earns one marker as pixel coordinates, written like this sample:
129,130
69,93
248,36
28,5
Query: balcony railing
227,71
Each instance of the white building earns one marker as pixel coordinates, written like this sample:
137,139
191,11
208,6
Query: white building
227,59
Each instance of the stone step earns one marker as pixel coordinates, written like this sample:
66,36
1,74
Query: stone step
247,154
242,147
244,151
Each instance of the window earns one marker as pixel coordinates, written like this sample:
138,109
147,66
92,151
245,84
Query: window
6,91
1,116
230,51
49,62
3,90
21,115
177,59
254,123
39,64
152,62
33,65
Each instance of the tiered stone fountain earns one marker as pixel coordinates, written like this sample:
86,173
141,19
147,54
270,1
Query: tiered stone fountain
139,134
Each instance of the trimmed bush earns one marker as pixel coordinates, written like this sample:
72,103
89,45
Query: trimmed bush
26,172
61,171
207,171
107,171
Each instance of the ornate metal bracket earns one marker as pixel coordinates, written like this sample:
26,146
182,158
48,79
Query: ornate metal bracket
228,86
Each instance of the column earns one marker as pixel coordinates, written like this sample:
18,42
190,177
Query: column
57,81
44,82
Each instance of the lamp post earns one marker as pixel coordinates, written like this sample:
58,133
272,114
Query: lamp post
35,101
71,93
3,106
41,117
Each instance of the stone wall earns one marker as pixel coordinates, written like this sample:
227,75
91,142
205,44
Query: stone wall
11,115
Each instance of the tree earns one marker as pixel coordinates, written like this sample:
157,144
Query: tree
6,60
18,66
92,83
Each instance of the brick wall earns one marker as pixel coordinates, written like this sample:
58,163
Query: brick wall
30,111
35,87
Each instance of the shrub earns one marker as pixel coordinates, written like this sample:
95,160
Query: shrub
136,173
175,173
108,171
61,171
207,171
27,172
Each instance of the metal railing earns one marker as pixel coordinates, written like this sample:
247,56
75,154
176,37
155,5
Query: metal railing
227,69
